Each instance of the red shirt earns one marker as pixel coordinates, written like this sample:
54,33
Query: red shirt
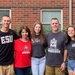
22,53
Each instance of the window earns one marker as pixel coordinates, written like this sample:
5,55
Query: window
47,15
4,12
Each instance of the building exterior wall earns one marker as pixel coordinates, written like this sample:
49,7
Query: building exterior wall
26,12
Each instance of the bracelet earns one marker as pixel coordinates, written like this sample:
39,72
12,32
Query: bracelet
64,61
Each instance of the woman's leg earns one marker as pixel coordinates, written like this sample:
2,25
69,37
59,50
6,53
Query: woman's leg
34,66
70,72
19,71
71,65
27,70
42,65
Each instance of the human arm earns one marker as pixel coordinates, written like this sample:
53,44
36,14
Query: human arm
63,65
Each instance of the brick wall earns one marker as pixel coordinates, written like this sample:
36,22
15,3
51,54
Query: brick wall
73,10
26,12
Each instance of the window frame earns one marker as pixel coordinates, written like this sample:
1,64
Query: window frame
9,15
51,11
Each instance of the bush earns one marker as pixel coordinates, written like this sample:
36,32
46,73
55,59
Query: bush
46,29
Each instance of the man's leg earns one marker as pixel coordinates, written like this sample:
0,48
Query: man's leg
2,70
50,70
9,70
58,71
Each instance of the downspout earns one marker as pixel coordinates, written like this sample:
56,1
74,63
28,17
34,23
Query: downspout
70,12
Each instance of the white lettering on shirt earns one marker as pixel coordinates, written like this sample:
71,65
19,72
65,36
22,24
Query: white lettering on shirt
7,39
51,50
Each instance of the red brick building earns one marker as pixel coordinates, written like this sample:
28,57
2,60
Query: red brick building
26,12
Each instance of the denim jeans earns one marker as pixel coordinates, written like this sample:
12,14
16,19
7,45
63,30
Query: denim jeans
71,65
38,65
22,71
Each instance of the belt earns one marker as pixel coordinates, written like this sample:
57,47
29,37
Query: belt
71,58
38,57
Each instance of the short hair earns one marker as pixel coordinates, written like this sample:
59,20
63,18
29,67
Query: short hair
5,16
55,19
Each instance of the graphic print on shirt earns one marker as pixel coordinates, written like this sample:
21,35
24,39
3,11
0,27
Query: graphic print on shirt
26,50
6,39
53,43
37,40
73,45
53,46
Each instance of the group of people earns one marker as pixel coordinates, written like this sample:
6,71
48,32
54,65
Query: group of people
42,54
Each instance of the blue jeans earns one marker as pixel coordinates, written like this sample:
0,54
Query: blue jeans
38,65
22,71
71,65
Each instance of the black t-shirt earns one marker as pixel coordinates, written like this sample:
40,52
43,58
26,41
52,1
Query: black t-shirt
7,47
38,49
56,46
71,49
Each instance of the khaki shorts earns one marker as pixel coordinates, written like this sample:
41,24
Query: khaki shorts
50,70
7,70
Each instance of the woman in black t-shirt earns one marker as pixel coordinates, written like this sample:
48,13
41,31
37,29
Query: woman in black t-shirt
70,46
38,49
